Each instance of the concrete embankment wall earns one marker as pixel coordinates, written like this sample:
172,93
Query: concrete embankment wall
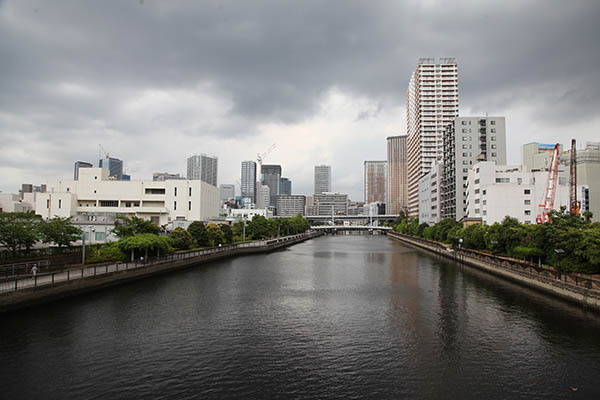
42,294
568,291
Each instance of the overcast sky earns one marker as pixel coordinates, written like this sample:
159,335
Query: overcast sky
154,82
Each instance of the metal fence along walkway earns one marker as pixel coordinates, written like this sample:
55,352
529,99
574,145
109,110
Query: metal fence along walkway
50,279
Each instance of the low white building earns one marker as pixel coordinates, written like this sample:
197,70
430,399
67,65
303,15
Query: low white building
496,191
13,203
236,214
160,201
430,195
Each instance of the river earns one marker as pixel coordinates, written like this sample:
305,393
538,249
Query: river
335,317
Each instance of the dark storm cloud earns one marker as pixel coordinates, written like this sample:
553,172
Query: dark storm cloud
68,67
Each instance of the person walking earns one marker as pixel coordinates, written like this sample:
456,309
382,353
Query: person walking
34,271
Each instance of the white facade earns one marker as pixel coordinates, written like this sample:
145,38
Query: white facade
13,203
247,213
263,196
430,195
431,104
322,179
330,203
495,191
161,202
468,141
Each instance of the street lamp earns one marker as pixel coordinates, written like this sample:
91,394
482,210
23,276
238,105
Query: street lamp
83,237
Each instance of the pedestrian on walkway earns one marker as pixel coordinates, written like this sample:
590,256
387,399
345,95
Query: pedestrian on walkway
34,271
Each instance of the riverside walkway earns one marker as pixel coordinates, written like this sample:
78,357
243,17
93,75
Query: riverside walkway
52,279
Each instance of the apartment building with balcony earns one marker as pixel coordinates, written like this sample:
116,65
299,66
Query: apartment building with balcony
467,141
431,104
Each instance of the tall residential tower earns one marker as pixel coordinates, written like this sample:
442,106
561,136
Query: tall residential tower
375,181
431,104
397,187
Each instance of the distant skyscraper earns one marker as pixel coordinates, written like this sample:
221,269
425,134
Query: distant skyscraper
248,182
322,178
80,164
202,167
431,104
271,176
263,197
113,165
375,179
285,186
226,192
397,179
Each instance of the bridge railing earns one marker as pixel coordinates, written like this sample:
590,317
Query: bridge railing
51,278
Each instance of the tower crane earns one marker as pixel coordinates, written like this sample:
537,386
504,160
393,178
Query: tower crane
574,205
100,151
550,192
261,157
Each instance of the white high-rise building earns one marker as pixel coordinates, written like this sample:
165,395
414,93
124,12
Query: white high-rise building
431,104
322,179
263,197
202,167
468,140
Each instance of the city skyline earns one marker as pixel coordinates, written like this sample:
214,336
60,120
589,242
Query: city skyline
335,107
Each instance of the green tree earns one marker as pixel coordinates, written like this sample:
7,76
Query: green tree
227,233
215,234
59,231
199,234
144,244
18,231
125,227
258,228
181,239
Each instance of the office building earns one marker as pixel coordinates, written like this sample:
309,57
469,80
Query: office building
330,203
496,191
114,167
263,197
538,156
430,186
165,176
271,176
80,164
285,186
310,208
288,206
226,192
466,142
375,180
248,182
431,104
202,167
397,179
96,195
322,179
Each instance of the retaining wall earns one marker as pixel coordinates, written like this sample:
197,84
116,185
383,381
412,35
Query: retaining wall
571,287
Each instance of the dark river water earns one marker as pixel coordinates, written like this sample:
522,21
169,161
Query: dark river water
335,317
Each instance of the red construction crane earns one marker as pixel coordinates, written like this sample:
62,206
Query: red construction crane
550,192
574,205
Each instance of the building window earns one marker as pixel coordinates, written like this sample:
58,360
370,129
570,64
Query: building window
493,138
527,191
48,203
476,201
464,146
95,177
175,191
190,192
477,210
465,154
476,191
493,146
464,130
155,191
59,203
109,203
527,212
477,181
465,162
174,205
492,122
484,212
190,205
483,192
465,169
465,139
464,122
484,202
493,130
494,154
527,202
502,180
519,181
99,236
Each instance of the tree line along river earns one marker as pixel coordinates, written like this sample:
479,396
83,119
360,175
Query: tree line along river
333,317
